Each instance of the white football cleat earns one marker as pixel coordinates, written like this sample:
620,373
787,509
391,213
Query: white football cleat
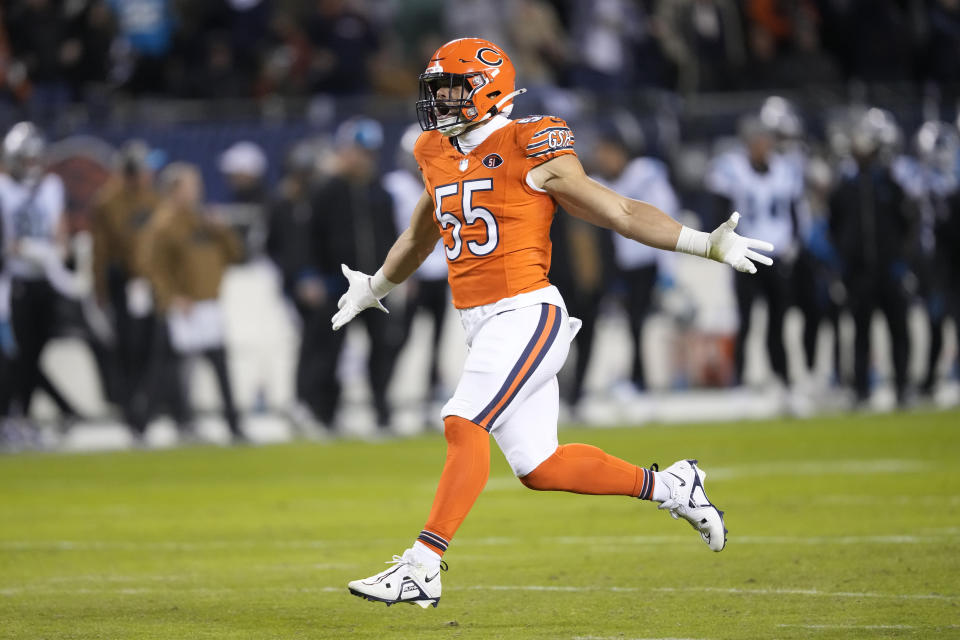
406,581
689,501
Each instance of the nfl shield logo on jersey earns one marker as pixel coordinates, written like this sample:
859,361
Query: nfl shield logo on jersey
492,161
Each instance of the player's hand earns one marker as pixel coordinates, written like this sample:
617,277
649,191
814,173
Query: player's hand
357,298
728,246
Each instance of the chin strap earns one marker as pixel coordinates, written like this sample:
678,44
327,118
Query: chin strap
497,107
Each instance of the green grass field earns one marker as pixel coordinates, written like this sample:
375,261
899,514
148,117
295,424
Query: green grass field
845,527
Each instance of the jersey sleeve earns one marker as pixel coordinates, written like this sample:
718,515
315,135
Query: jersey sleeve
544,138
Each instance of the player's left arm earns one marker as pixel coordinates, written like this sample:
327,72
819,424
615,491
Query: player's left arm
564,179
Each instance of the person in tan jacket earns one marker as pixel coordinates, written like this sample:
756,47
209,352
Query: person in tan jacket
121,212
185,256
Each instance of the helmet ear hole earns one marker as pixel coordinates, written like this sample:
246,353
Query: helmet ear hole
493,94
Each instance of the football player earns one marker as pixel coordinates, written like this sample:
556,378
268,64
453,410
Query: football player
35,238
871,223
930,180
641,267
762,185
492,186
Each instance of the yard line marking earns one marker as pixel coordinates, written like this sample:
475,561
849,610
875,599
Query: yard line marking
848,499
812,592
731,590
125,545
848,626
114,578
607,541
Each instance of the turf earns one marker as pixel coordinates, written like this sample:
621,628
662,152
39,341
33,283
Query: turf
846,527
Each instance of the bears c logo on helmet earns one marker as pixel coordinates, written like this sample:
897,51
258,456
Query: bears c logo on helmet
489,57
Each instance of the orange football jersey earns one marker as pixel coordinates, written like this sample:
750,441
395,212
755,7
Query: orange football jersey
495,227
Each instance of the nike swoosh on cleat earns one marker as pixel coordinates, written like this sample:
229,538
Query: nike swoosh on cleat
430,579
683,482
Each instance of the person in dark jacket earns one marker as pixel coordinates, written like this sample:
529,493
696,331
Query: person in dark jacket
948,260
289,243
870,222
354,224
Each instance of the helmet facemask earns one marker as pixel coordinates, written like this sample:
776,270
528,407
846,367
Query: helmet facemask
451,116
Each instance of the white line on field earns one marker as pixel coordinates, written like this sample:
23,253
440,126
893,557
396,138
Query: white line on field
848,626
126,545
811,592
607,541
853,500
732,590
601,542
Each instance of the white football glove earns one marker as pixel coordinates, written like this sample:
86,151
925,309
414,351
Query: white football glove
725,245
359,296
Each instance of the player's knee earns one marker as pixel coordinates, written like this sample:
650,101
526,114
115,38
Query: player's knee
459,430
534,481
544,477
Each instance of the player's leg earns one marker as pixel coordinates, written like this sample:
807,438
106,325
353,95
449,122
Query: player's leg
328,345
415,575
218,360
954,312
745,289
527,434
587,303
777,292
505,354
893,301
936,314
529,443
386,341
433,297
861,307
807,285
640,284
31,319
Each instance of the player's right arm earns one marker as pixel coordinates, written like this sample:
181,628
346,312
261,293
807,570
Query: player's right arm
407,253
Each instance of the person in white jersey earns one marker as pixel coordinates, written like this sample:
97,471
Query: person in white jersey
34,242
759,183
640,265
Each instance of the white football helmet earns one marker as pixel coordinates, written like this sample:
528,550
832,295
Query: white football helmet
23,148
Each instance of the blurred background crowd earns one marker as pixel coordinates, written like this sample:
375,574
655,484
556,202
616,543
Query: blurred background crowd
182,180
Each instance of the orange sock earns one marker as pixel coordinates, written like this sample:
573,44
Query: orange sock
580,468
464,476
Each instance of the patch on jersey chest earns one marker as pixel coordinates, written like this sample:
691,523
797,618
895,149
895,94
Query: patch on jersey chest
464,163
492,161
